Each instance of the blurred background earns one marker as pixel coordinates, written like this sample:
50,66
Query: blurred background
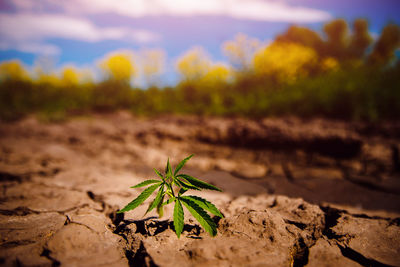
283,102
309,58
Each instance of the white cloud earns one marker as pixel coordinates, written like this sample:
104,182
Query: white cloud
261,10
277,11
36,27
35,22
143,36
31,47
29,32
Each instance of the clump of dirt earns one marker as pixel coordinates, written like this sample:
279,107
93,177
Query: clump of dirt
296,193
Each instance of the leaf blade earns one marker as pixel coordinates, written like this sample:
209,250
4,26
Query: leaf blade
169,201
144,183
185,184
160,207
159,174
168,169
182,191
201,216
205,204
181,164
178,217
199,183
140,199
157,200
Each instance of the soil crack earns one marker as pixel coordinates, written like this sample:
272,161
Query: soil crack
359,258
299,225
9,177
46,253
97,198
23,210
369,185
16,243
332,216
299,254
140,258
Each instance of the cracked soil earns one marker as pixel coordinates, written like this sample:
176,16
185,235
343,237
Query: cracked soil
295,193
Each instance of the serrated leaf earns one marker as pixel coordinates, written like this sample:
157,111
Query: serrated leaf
159,174
181,164
160,207
157,200
140,199
168,169
199,183
200,215
178,217
169,201
144,183
185,184
205,204
170,189
182,191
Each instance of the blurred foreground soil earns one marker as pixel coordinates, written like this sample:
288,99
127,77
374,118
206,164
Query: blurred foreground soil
295,193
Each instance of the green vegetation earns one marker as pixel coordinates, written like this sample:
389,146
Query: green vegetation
342,73
197,206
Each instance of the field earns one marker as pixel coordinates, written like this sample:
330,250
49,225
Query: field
295,192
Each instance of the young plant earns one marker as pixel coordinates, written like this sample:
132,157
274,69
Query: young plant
171,188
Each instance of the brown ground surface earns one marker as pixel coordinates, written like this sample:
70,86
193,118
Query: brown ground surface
296,193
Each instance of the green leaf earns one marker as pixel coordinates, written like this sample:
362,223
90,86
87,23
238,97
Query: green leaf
140,199
200,215
181,164
169,201
159,174
207,205
178,217
182,191
168,169
185,184
198,183
160,207
157,200
147,182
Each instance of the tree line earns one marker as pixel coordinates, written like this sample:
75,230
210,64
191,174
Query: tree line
342,73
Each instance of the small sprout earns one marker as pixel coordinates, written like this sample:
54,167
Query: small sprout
171,180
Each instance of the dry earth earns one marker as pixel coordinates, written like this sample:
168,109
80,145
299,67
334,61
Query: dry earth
296,193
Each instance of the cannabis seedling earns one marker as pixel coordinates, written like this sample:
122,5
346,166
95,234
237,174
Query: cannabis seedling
197,206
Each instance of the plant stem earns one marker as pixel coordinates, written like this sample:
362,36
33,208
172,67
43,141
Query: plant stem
170,190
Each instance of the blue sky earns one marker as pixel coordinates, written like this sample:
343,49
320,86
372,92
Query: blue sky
80,32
